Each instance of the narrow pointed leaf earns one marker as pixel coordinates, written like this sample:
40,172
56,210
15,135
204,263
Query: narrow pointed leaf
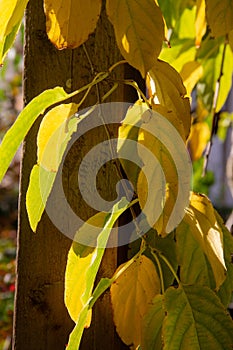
24,122
196,319
139,30
82,267
131,295
10,20
70,22
190,73
198,138
200,22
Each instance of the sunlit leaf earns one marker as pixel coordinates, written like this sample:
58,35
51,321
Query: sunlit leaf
195,319
69,22
200,22
131,296
185,27
190,73
82,267
171,92
40,185
10,20
152,325
55,131
24,122
163,166
204,227
198,138
127,151
219,16
139,30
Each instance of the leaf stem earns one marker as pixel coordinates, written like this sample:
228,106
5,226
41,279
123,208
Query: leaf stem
167,262
154,254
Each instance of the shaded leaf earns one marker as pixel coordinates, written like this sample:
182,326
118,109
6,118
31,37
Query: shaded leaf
131,295
69,23
152,325
10,21
231,39
171,92
82,267
139,30
196,319
200,22
40,186
198,138
54,133
219,16
24,122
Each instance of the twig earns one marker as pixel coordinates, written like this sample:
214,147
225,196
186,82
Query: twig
215,114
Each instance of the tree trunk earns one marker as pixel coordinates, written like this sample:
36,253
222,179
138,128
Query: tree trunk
41,320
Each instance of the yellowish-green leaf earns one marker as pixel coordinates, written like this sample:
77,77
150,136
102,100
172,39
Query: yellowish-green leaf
195,319
70,22
198,138
219,15
225,291
82,267
10,20
204,227
185,26
23,123
152,325
200,22
139,30
171,92
40,185
190,73
161,198
53,134
131,296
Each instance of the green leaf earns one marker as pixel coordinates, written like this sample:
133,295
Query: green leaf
101,287
195,319
131,295
40,185
152,325
24,122
69,23
82,267
10,20
139,30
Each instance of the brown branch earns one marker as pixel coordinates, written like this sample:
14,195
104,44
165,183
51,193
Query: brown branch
214,126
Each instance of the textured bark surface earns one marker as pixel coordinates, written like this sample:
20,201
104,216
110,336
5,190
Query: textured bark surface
41,320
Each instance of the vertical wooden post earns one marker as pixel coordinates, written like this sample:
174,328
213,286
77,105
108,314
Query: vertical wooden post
41,320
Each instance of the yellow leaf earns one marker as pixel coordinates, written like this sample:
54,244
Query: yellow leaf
206,230
200,22
171,92
70,22
219,15
10,19
163,183
52,134
198,138
139,30
131,296
191,72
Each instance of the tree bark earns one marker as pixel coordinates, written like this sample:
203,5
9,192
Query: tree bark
41,320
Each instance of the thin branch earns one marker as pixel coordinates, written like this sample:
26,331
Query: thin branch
215,114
